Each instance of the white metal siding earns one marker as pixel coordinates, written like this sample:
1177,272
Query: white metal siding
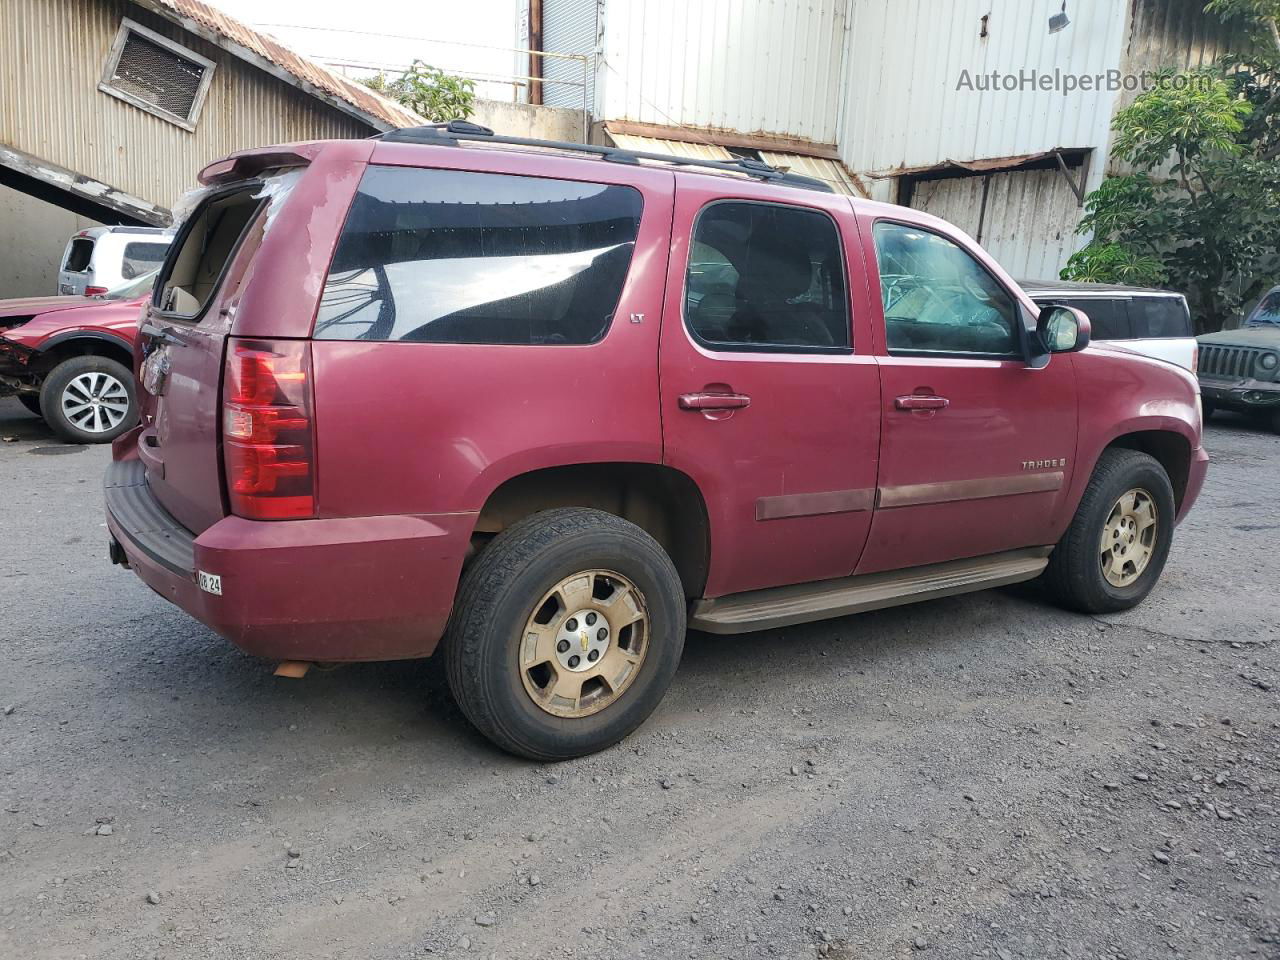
568,26
750,66
1030,220
902,108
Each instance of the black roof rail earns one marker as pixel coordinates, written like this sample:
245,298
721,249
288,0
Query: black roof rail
461,130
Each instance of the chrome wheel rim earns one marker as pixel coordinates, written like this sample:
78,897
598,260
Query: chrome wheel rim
95,402
1129,537
584,643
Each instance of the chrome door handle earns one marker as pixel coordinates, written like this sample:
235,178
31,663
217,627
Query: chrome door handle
714,401
920,402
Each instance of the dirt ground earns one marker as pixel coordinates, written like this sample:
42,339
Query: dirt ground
984,776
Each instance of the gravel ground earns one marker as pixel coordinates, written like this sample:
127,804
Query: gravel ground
984,776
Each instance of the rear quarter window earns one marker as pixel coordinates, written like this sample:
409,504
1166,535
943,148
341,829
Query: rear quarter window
1108,319
446,256
142,257
1157,317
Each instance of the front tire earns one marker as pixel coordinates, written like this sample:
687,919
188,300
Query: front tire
1116,547
89,399
566,633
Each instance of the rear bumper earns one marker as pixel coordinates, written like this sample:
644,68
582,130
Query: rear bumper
367,588
1195,481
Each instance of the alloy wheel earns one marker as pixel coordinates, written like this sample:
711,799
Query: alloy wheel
1129,537
95,402
584,644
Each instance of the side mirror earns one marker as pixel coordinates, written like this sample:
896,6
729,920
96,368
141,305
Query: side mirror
1062,329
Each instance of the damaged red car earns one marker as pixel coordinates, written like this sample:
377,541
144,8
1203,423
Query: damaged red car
70,360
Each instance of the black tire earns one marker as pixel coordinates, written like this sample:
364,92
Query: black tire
1074,575
57,381
31,401
497,597
1207,408
1275,421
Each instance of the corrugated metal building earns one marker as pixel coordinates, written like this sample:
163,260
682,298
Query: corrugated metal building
109,108
897,100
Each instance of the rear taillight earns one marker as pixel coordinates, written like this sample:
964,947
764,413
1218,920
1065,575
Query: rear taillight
1195,358
94,291
268,435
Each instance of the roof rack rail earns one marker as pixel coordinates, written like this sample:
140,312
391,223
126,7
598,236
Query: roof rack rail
455,131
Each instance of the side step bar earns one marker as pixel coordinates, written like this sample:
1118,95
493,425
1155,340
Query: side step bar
805,602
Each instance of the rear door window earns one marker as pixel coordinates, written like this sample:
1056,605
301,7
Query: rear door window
1156,317
79,255
766,276
1108,318
446,256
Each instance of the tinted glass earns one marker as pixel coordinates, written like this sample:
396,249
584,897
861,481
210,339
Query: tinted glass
139,258
79,256
1108,319
1159,317
939,299
444,256
765,276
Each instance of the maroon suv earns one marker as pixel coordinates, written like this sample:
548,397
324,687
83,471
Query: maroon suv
549,405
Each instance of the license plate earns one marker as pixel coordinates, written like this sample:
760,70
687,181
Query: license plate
210,583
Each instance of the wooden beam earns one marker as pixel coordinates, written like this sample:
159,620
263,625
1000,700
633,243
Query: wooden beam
725,138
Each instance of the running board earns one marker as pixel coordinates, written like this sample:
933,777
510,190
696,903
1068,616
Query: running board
805,602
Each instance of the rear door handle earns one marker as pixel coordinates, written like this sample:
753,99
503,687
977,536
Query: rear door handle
714,401
921,402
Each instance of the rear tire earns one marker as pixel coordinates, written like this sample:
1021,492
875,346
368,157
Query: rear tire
89,399
517,655
1107,561
31,401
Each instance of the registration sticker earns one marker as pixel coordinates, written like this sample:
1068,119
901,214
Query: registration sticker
210,583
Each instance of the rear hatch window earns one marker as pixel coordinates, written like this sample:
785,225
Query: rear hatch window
79,255
204,248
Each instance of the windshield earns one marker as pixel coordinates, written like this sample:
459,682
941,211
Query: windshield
133,289
1267,312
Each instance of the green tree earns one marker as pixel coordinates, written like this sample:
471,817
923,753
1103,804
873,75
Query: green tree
428,91
1201,212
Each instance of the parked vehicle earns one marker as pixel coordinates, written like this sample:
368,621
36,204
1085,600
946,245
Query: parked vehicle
1156,323
102,258
1240,368
71,361
412,391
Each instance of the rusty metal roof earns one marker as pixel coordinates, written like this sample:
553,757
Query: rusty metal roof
268,53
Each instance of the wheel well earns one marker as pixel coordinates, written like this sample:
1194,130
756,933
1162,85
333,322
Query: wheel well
1172,450
84,347
664,502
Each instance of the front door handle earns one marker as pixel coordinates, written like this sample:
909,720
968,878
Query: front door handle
919,401
714,401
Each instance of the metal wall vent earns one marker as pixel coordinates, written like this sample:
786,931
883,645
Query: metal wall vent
156,74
